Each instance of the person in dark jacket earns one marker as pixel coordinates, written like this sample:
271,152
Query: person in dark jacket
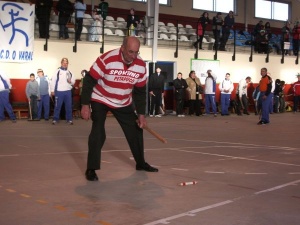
42,12
216,27
65,10
156,90
228,24
180,87
202,23
132,23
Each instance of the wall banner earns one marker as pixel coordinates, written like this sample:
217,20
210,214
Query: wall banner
16,32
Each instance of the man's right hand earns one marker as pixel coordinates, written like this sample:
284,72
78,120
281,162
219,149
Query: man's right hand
85,112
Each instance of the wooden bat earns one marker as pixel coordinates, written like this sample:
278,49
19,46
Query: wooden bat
155,134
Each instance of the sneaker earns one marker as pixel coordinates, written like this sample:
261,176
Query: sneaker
14,120
178,115
54,122
151,115
215,115
70,122
182,115
262,123
158,116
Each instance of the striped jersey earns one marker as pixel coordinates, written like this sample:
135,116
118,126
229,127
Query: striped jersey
115,79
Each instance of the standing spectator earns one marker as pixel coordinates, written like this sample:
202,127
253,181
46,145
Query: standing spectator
180,86
65,10
61,87
265,87
216,27
226,87
268,30
195,93
42,12
281,97
132,23
202,23
296,38
156,90
241,95
227,26
96,27
103,7
5,87
210,93
296,89
80,8
44,86
258,27
255,95
286,33
33,95
277,91
116,93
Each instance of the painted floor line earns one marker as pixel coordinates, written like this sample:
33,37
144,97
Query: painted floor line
193,212
179,169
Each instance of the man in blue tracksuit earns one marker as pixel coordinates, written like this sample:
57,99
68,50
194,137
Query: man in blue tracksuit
44,102
4,98
210,93
61,87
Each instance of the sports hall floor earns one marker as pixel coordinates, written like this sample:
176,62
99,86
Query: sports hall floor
246,174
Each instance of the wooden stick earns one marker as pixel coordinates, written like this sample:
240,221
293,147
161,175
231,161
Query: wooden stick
155,134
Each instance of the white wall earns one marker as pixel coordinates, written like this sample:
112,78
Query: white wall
87,52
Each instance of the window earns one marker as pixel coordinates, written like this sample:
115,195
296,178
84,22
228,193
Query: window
161,2
271,10
215,5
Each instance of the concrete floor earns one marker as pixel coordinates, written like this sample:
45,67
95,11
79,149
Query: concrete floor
247,174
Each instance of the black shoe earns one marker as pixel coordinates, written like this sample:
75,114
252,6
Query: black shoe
91,175
147,168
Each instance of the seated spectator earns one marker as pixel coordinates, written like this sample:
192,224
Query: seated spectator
296,38
261,42
96,28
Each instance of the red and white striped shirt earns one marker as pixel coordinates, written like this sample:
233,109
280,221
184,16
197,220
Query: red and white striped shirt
115,79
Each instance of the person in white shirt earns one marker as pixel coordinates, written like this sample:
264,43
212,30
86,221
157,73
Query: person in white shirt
226,87
241,96
61,87
210,93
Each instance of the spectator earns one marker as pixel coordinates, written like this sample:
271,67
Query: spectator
202,23
96,27
216,27
61,87
286,32
210,93
265,97
117,95
227,26
296,89
65,10
103,7
156,90
44,103
132,23
277,91
5,87
261,42
281,97
195,94
241,95
42,12
33,95
258,27
226,87
80,8
268,30
180,86
296,38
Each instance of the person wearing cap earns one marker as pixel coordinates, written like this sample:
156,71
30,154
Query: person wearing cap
61,87
296,89
33,95
44,103
5,87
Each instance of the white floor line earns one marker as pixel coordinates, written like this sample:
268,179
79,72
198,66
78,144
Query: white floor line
214,172
195,211
179,169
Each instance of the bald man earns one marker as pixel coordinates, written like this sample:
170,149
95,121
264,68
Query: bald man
116,82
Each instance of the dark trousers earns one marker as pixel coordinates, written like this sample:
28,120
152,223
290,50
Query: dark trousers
79,22
296,102
195,106
242,105
224,39
225,102
265,107
156,102
33,107
44,27
44,103
179,106
217,38
63,30
5,104
127,120
276,103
